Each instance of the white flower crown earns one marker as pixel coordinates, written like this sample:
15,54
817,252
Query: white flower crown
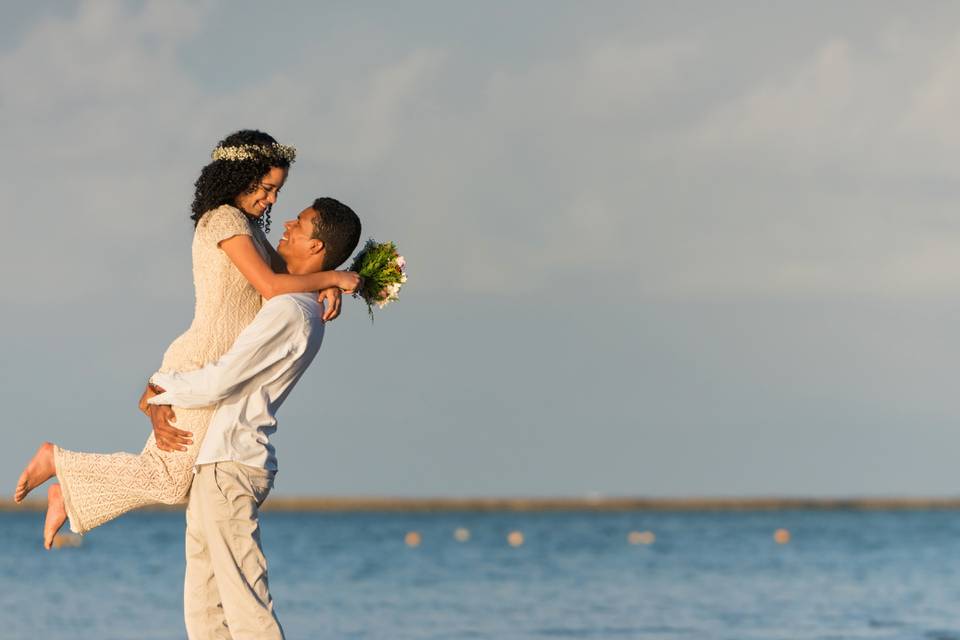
275,151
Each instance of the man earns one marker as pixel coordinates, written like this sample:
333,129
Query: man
226,594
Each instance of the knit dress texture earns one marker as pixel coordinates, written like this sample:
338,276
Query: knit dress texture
99,487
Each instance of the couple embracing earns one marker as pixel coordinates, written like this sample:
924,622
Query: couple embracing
258,323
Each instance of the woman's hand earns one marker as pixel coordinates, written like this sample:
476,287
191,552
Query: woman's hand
330,298
348,281
147,394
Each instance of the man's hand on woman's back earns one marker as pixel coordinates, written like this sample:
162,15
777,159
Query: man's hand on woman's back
168,437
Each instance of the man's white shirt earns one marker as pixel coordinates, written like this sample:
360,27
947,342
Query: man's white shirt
250,382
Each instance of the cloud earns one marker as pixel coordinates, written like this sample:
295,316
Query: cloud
934,103
814,102
105,116
845,194
376,117
619,159
114,129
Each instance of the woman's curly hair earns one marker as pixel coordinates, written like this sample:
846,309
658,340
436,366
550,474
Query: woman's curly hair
221,181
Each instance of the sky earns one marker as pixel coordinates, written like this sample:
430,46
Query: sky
654,249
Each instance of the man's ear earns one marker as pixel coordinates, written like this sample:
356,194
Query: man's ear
316,246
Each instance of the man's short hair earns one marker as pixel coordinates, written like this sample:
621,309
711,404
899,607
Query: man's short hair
339,229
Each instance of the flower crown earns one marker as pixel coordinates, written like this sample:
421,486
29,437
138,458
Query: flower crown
275,151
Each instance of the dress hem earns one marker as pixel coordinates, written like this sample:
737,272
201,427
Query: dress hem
76,525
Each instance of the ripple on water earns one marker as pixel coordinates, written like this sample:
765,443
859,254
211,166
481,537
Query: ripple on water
844,575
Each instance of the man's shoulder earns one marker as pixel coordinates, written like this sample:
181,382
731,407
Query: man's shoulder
293,307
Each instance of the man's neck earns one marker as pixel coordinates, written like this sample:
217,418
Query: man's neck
298,268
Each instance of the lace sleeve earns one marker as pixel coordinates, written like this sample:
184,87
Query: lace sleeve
223,222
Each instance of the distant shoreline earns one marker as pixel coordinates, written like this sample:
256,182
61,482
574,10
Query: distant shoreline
599,504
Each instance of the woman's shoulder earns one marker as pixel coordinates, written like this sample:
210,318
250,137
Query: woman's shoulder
225,212
223,222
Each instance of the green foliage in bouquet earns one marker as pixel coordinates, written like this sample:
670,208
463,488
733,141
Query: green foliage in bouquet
383,271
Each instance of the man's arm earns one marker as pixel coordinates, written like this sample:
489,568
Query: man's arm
270,338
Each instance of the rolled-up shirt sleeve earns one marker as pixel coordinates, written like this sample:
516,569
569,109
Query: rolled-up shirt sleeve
271,337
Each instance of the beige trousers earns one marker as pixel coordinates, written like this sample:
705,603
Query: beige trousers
225,591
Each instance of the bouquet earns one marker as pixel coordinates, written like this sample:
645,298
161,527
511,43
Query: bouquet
383,271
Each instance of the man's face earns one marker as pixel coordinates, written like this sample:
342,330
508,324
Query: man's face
298,241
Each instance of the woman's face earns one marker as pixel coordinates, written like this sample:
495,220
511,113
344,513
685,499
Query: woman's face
264,193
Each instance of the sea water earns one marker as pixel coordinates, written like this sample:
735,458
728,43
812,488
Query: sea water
834,574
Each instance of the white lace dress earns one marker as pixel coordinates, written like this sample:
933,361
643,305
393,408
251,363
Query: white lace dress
100,487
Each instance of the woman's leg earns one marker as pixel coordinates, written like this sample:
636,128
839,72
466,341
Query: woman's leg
99,487
56,515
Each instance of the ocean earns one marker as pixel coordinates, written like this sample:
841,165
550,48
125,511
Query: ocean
663,575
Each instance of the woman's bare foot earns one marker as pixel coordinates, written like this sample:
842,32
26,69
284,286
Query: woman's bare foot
56,515
38,470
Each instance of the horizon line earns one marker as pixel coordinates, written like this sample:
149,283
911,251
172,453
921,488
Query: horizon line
335,504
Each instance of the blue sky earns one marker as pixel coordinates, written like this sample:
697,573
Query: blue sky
654,248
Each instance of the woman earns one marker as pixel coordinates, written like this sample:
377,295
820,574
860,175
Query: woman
231,269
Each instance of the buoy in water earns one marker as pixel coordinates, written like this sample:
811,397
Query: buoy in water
641,537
